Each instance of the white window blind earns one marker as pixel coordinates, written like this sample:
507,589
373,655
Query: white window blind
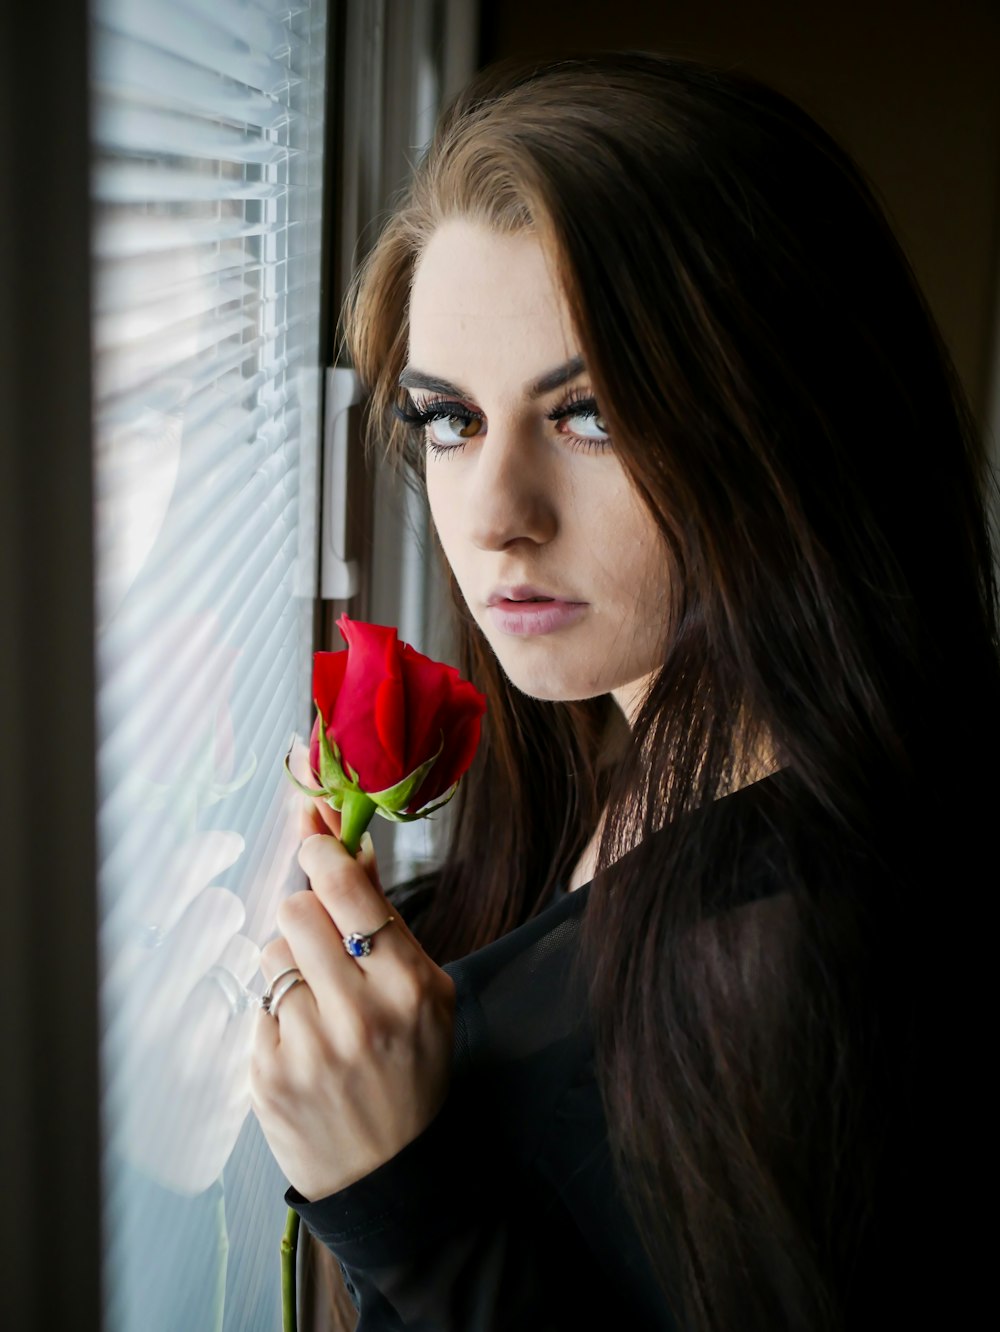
207,187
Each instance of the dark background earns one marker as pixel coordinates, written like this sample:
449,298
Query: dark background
910,87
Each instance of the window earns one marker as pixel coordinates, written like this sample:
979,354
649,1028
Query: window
207,185
218,498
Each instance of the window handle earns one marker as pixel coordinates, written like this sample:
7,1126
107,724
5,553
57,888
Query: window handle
339,574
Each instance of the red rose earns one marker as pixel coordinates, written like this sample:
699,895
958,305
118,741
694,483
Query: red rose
388,709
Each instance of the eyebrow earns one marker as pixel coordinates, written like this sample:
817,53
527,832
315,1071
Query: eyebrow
553,379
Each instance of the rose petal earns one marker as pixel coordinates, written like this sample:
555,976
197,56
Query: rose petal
390,722
371,730
428,692
460,743
328,680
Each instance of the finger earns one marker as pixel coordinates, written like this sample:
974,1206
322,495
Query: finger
265,1040
337,982
352,901
298,761
277,957
318,817
368,859
318,814
330,818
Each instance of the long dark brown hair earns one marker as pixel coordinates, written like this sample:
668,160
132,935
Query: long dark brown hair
780,396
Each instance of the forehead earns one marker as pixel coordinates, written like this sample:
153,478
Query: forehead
476,292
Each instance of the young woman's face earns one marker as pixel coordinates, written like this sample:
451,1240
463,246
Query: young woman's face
520,497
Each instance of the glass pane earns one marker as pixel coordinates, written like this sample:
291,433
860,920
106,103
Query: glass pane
206,185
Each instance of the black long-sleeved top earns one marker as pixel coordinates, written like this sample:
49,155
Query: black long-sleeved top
504,1213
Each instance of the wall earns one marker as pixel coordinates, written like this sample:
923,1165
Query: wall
910,87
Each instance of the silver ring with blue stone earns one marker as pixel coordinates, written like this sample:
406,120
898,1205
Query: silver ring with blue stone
360,945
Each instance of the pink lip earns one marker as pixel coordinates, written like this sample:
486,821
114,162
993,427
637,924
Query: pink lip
521,592
535,617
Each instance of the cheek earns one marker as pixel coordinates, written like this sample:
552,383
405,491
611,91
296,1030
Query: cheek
622,534
443,511
643,568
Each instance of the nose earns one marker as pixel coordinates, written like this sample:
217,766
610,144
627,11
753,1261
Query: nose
512,493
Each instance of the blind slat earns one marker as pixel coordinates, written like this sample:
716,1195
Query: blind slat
139,752
262,26
253,538
167,394
121,369
125,68
137,234
129,365
196,38
207,189
142,280
191,708
142,185
124,128
154,317
278,723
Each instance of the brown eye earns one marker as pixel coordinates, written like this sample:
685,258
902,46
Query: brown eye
471,427
450,413
458,425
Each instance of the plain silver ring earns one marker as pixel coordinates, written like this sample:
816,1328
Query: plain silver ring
265,998
277,998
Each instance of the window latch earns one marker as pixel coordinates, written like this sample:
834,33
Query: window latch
339,574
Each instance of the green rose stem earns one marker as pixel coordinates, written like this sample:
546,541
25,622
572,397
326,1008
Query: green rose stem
355,815
289,1244
357,809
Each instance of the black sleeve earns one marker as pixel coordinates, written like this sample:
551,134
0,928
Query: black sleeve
445,1236
424,1241
503,1213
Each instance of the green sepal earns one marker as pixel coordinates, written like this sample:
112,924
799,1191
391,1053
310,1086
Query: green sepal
395,798
331,773
305,790
395,817
389,802
333,798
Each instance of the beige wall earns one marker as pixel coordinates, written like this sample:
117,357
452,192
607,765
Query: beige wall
911,88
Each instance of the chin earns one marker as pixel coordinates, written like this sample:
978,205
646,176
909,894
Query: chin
549,690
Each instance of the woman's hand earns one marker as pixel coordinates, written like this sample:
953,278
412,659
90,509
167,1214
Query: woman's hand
357,1061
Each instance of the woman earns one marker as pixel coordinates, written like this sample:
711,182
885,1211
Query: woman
640,330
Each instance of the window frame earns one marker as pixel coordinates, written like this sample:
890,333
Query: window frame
50,1132
50,1235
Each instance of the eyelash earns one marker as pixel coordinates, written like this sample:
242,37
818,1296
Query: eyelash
419,418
